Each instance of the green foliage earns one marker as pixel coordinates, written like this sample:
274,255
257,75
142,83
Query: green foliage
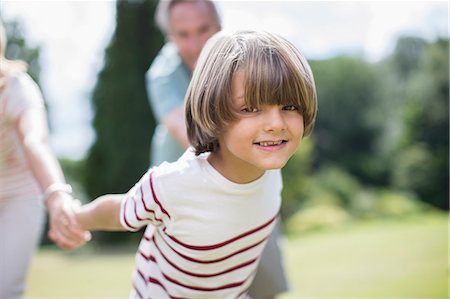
396,204
420,162
334,198
348,126
407,54
317,217
336,181
387,203
380,143
296,177
412,169
123,120
73,171
19,48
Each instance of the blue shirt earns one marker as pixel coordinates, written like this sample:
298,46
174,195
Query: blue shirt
167,82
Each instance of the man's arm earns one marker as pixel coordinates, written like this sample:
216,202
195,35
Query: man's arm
175,123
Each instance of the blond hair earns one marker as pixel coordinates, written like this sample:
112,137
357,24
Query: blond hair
275,72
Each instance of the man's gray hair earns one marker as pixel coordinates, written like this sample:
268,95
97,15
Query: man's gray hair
163,11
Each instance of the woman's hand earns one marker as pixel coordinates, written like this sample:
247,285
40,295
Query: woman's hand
64,229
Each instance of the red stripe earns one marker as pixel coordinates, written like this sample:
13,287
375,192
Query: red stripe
147,209
125,216
137,292
157,282
215,246
244,292
148,258
156,198
136,213
142,275
150,279
209,261
199,274
223,287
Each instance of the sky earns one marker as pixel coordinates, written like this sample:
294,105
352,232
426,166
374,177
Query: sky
73,35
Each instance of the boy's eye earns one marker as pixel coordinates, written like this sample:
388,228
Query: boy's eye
290,108
249,109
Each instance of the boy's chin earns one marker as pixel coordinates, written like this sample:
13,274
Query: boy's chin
274,165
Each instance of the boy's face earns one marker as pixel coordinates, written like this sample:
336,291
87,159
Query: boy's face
259,139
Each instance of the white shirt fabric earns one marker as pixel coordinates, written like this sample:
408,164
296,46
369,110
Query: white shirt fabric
206,233
16,179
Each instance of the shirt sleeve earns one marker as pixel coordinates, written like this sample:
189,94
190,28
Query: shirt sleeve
142,206
23,94
167,81
164,95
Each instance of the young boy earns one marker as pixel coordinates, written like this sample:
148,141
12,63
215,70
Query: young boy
250,102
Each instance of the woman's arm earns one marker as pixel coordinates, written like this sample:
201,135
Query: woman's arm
32,130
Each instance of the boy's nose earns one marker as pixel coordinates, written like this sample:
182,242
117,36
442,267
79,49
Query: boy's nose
274,120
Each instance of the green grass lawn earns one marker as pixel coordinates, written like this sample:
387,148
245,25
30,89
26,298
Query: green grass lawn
378,259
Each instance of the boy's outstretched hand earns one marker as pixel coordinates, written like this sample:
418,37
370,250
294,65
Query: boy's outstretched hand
64,229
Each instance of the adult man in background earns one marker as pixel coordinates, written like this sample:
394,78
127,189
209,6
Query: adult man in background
187,25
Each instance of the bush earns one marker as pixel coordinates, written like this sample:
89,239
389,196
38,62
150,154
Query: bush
317,217
399,204
335,181
297,178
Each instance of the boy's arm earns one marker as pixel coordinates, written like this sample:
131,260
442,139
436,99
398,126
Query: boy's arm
101,214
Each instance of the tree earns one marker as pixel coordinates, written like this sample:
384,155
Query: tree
347,126
18,48
407,54
123,120
422,160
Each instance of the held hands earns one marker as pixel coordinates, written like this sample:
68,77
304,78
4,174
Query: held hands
64,229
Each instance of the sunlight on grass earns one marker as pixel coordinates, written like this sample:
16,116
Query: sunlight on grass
379,259
55,274
382,259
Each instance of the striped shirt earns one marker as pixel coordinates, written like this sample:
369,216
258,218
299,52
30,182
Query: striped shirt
206,233
16,179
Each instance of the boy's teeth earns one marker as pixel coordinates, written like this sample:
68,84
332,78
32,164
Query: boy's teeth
268,143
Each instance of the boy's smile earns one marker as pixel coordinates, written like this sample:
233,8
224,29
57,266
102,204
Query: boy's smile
258,140
271,145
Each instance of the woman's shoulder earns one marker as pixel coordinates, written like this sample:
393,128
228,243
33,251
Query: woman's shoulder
21,92
18,80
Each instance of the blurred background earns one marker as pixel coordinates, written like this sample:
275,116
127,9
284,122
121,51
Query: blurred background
366,197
